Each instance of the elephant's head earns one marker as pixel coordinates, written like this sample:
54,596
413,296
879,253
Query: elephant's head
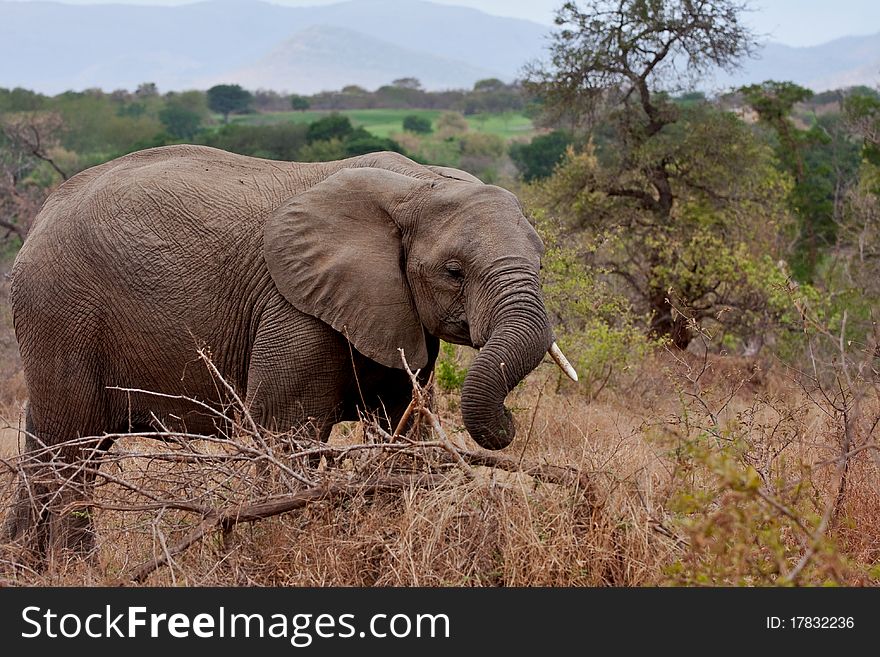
385,257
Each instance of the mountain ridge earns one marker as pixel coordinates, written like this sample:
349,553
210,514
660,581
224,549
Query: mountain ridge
113,46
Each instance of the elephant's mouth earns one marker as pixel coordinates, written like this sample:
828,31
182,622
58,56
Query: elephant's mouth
457,331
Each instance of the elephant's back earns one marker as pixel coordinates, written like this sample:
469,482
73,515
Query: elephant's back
165,192
164,228
174,207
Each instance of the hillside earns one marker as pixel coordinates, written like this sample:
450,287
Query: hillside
309,49
845,62
310,58
120,46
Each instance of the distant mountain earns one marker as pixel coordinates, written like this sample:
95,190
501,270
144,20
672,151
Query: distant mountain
53,47
324,57
844,62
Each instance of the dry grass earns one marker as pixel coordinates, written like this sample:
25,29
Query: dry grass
717,471
665,512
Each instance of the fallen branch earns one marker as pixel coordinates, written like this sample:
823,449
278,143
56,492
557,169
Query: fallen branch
226,519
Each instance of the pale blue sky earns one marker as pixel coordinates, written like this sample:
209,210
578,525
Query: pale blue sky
793,22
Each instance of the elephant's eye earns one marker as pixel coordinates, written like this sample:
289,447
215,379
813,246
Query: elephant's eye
454,270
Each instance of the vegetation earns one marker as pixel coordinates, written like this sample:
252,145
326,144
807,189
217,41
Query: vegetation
711,269
416,123
227,99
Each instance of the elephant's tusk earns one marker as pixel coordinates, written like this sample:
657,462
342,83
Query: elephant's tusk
560,359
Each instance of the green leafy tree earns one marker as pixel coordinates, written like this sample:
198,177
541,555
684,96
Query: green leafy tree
299,103
418,124
716,256
361,142
281,141
538,158
180,122
229,99
862,113
334,126
610,63
819,159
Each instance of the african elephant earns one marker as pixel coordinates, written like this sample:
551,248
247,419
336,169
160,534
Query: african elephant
302,280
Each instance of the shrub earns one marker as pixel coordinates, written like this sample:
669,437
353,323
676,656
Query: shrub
417,124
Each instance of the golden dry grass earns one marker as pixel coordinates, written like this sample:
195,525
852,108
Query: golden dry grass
714,472
672,508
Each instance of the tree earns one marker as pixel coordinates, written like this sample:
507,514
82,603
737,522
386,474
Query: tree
299,103
538,158
279,141
229,99
489,85
146,90
417,124
820,159
611,66
451,124
29,142
184,113
407,83
180,122
361,142
333,126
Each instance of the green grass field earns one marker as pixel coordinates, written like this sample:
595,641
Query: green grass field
384,122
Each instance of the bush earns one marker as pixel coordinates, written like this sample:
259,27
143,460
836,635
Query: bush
448,372
334,126
596,327
418,124
361,142
180,122
451,124
539,158
281,141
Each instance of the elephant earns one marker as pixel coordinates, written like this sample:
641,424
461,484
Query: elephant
302,280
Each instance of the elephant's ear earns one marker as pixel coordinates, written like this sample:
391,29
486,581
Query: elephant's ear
455,174
335,252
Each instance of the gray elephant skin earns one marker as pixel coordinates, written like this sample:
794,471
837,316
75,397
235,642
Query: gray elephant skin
302,281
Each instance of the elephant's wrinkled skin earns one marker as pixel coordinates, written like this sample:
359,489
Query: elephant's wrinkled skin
294,277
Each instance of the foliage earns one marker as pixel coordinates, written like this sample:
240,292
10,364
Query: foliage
711,260
180,122
611,65
326,150
538,158
229,99
31,162
451,124
862,112
360,142
417,124
595,325
20,100
334,126
448,371
299,103
618,54
99,127
819,159
282,141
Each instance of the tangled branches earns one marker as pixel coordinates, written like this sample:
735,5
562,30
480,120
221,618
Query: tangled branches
176,490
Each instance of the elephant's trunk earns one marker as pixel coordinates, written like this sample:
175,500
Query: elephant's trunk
519,337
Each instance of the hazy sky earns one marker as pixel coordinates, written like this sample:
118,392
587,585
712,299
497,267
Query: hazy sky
793,22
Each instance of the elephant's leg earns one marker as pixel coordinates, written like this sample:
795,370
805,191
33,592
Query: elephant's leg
385,393
298,374
26,519
49,515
